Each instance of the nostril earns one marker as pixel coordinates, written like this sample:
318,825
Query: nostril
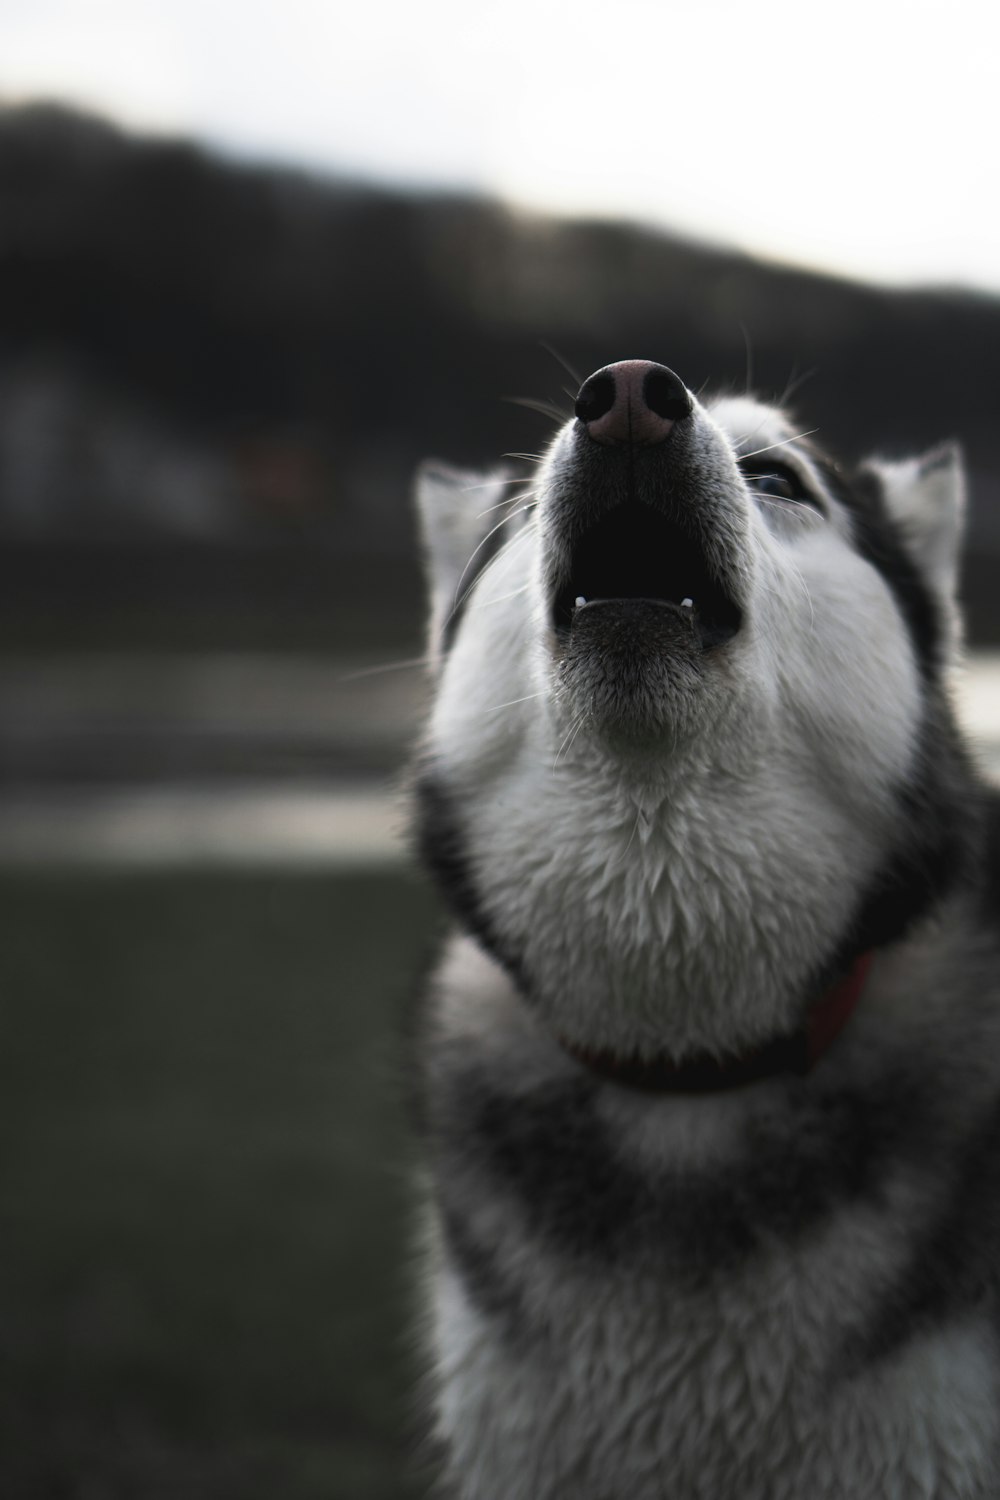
665,394
632,404
596,398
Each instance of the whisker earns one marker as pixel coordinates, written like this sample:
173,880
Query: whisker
528,458
501,552
390,666
544,408
784,443
489,484
504,521
499,598
807,595
549,349
570,739
795,382
749,436
788,507
526,699
507,500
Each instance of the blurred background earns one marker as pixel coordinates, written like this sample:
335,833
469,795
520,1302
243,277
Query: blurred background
254,264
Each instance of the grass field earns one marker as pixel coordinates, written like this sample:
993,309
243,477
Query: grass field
205,1284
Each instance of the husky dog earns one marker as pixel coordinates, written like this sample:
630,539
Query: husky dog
710,1067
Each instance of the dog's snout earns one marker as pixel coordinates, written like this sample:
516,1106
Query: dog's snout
633,402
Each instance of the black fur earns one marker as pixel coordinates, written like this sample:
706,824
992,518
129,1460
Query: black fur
441,846
492,544
886,1152
485,1281
880,541
954,1264
938,841
989,814
549,1151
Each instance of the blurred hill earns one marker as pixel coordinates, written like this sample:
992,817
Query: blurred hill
215,379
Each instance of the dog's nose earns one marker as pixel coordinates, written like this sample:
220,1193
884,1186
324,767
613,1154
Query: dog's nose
634,401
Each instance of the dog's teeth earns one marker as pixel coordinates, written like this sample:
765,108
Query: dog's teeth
579,600
687,604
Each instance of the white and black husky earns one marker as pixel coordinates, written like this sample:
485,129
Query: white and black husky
711,1069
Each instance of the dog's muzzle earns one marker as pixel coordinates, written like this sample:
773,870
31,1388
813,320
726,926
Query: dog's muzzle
633,531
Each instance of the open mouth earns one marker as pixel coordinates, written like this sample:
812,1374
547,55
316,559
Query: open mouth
635,553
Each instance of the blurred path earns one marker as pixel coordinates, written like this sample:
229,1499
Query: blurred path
153,760
100,719
163,826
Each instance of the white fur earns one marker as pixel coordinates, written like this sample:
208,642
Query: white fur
650,1385
453,532
703,866
646,1390
926,496
674,892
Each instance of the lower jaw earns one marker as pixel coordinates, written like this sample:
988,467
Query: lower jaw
635,669
706,629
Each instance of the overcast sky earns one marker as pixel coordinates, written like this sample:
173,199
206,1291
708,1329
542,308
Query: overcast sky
862,137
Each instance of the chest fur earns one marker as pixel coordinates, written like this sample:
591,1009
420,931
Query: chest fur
618,1389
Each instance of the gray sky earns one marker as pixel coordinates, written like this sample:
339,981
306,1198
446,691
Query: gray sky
862,137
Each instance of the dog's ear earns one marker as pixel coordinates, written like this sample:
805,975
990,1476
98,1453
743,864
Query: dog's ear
925,496
458,508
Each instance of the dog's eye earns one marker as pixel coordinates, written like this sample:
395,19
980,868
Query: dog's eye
775,485
776,482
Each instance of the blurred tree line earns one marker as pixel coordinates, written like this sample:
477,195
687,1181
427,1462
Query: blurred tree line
217,378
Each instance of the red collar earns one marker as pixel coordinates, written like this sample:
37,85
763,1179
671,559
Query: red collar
832,1012
706,1074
